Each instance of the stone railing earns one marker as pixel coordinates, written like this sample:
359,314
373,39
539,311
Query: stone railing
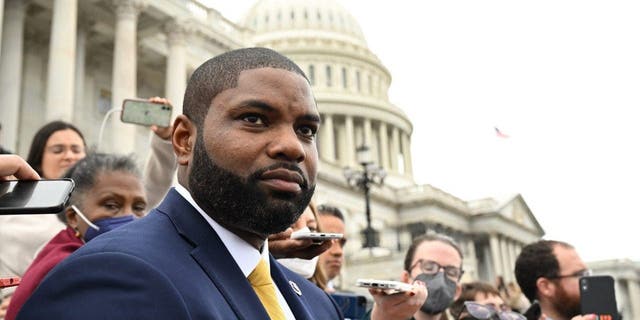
428,192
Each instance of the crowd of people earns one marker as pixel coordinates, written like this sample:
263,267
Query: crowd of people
217,243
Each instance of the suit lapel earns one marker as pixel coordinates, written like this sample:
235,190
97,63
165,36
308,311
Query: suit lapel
213,257
285,285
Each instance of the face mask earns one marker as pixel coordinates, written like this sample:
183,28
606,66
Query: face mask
102,225
303,267
441,292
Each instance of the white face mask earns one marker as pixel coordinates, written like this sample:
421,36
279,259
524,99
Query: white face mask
303,267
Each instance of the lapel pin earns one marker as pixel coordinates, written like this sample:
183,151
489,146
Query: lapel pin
295,288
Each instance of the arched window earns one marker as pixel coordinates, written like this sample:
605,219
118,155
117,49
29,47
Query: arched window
328,75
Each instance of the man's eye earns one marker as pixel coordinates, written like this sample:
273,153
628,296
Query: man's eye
307,131
254,119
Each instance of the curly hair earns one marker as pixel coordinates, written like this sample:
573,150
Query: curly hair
537,260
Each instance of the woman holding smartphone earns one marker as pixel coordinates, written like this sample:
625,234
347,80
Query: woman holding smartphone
56,147
108,194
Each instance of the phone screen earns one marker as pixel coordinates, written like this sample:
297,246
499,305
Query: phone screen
146,113
34,196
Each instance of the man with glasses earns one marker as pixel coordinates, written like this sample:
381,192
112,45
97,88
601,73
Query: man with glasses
548,273
434,261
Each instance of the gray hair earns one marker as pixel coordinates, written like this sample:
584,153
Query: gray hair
85,171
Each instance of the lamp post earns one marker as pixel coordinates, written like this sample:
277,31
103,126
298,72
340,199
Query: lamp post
363,179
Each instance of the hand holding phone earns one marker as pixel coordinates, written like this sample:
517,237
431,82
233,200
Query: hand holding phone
146,112
316,236
388,286
34,196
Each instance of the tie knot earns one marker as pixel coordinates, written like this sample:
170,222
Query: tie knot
260,276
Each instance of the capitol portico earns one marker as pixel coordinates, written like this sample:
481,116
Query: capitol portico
75,60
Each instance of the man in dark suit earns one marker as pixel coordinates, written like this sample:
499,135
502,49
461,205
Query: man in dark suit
247,167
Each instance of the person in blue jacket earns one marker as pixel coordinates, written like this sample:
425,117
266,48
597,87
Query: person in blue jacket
246,150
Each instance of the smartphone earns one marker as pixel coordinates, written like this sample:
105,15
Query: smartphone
353,306
316,236
389,286
145,113
34,196
598,296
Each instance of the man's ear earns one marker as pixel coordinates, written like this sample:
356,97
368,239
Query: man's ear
183,139
545,287
72,218
405,277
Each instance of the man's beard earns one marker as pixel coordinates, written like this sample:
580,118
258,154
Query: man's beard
235,201
566,305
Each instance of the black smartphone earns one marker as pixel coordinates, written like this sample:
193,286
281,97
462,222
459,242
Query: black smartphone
34,196
353,306
598,296
145,113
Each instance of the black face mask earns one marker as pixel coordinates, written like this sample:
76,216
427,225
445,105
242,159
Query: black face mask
441,292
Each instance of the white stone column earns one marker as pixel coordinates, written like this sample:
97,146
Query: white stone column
472,257
406,152
1,16
504,258
350,148
327,140
62,57
495,254
512,258
634,297
11,58
81,58
384,145
176,76
395,148
123,81
368,140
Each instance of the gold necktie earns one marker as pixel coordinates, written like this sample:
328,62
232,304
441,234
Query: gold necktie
264,287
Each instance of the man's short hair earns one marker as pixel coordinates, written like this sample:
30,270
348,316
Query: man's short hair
222,72
327,210
411,252
468,293
536,260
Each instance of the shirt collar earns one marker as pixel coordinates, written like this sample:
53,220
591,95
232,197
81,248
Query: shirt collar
244,254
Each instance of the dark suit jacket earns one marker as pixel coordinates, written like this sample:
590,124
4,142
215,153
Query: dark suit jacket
168,265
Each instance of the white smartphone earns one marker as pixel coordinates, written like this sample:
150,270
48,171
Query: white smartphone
145,113
316,236
389,286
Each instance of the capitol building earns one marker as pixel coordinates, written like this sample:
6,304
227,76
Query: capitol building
76,59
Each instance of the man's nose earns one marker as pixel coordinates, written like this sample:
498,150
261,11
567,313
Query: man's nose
286,145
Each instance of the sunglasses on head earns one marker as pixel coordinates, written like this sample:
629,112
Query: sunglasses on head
476,311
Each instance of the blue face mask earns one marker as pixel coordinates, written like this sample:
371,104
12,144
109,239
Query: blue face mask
101,226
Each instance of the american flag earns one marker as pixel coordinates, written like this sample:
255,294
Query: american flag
500,134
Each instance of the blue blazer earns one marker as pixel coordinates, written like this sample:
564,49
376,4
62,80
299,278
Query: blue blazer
169,265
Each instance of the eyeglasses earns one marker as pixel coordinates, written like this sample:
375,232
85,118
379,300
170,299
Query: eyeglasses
577,274
476,311
432,267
